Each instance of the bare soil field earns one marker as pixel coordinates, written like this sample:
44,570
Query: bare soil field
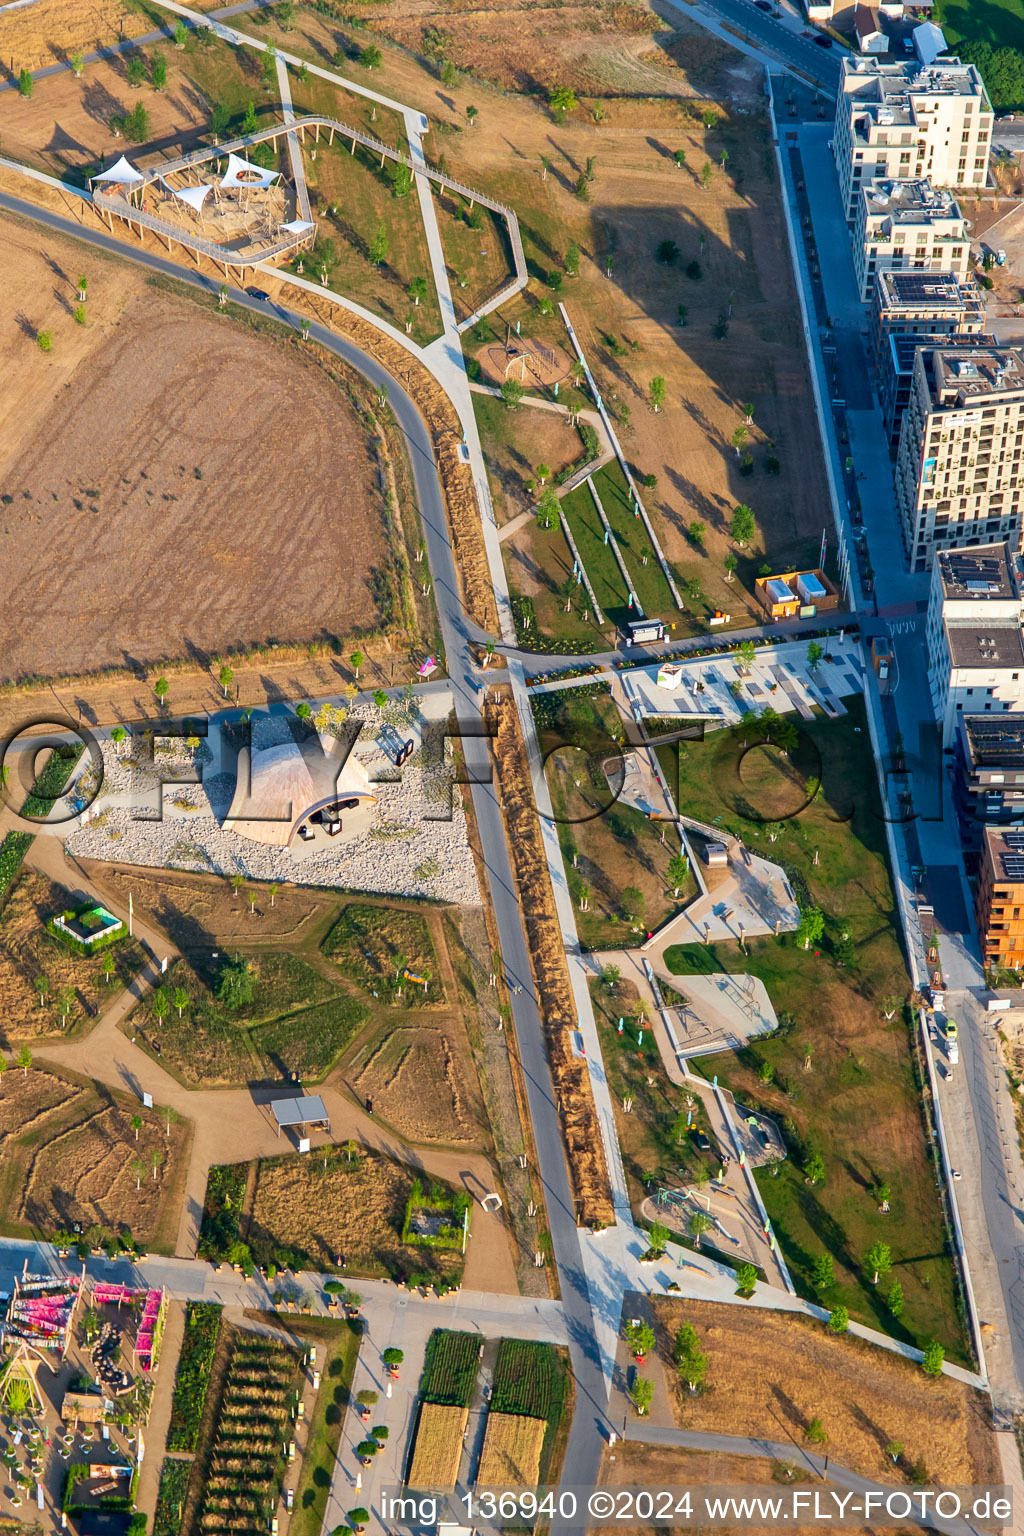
353,1206
772,1371
661,1466
28,953
50,31
418,1081
149,488
69,1154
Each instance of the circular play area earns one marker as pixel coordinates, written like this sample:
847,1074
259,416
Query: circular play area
529,362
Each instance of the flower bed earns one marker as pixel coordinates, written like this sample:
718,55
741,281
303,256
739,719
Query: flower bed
202,1330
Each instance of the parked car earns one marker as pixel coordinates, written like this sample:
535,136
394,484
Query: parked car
764,5
762,1136
823,41
703,1141
259,293
951,1029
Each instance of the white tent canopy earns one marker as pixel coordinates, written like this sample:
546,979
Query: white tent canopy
241,174
121,172
194,196
297,227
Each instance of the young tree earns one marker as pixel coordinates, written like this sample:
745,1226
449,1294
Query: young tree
678,870
562,100
379,246
135,1124
729,565
745,654
136,124
811,926
658,1235
371,57
640,1337
161,688
512,393
155,1157
304,711
738,438
180,1000
699,1223
137,1169
815,652
42,986
572,260
878,1260
815,1432
633,903
226,677
814,1169
417,290
393,1357
448,74
706,173
158,72
839,1320
894,1300
161,1004
742,525
691,1362
472,113
236,983
934,1359
25,83
79,314
77,62
667,252
823,1274
135,70
108,965
894,1449
766,1073
657,388
180,34
66,1002
641,1393
24,1059
359,1518
44,340
697,532
746,1279
581,189
680,158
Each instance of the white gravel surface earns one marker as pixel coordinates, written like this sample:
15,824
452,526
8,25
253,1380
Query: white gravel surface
415,844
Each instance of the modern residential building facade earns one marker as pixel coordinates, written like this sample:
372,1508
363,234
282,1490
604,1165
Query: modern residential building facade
1000,905
906,121
909,225
930,303
896,376
990,771
959,466
973,635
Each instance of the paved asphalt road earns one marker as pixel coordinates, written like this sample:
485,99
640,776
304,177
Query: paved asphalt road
764,32
590,1424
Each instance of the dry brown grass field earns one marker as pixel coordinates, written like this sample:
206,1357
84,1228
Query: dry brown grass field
50,31
418,1079
69,1154
511,1451
438,1448
166,499
771,1373
28,952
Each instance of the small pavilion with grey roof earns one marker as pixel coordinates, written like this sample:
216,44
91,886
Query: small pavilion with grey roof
301,1112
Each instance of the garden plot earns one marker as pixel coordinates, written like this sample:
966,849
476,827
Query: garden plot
388,952
245,1465
417,843
438,1448
345,1201
72,1154
418,1083
42,980
511,1451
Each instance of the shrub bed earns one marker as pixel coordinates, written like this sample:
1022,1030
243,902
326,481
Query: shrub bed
450,1367
202,1330
170,1499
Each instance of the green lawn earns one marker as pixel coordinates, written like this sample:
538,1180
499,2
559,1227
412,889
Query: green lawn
337,1350
598,560
859,1103
998,22
649,583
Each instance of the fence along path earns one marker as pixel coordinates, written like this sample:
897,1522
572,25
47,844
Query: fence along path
123,209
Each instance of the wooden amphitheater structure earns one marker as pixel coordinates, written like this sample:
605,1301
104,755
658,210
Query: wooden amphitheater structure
120,205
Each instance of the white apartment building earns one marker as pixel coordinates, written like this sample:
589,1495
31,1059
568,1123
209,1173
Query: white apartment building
909,225
899,122
973,633
960,466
